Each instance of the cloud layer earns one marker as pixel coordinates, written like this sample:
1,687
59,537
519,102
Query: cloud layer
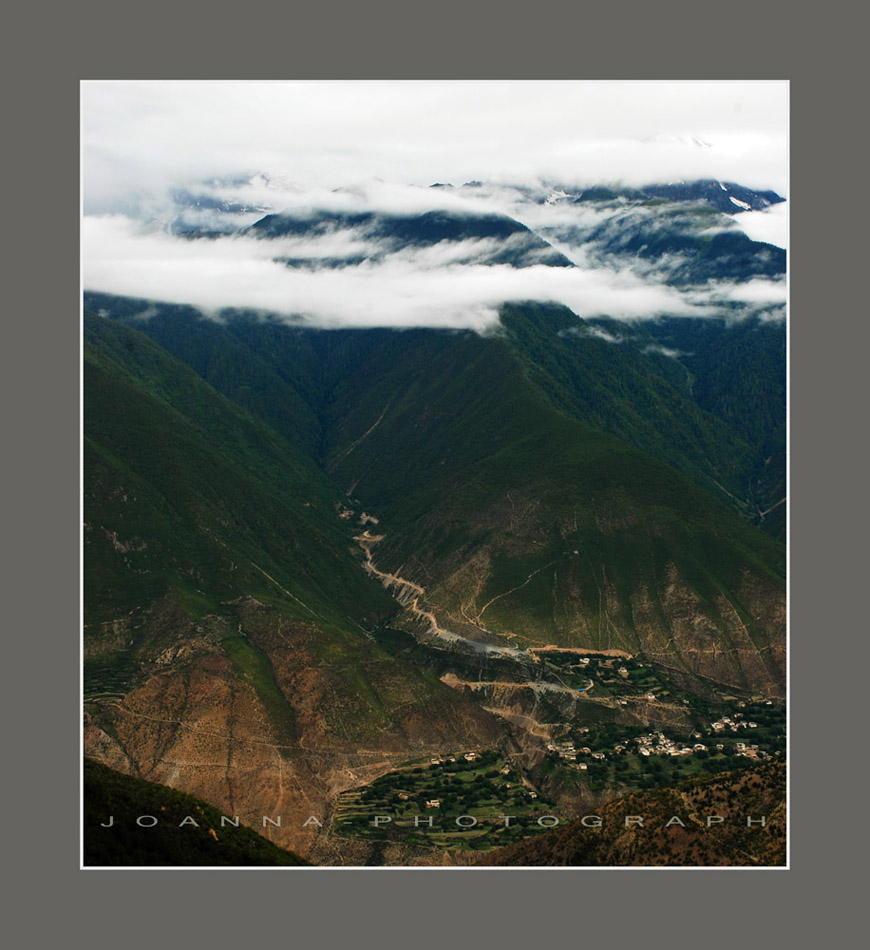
437,286
160,157
148,136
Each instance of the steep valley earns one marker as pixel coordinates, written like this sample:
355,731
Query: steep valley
315,559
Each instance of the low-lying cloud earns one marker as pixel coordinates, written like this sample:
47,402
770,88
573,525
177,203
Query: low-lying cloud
439,286
760,292
769,226
590,330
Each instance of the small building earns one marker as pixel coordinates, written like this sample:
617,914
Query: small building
434,803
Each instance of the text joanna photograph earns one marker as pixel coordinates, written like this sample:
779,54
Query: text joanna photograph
434,453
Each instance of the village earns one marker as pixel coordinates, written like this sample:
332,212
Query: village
606,753
604,756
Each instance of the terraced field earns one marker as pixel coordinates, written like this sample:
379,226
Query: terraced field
481,804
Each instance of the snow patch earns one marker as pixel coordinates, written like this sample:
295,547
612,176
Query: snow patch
554,196
739,203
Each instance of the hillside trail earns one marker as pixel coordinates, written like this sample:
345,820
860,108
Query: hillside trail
410,595
406,592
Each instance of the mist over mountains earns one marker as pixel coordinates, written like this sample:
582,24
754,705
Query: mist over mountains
381,255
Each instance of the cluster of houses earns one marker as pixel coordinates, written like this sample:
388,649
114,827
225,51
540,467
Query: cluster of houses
568,752
750,752
726,722
452,758
657,743
468,756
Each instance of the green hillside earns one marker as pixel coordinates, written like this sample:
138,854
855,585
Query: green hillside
494,467
496,502
186,490
717,424
227,616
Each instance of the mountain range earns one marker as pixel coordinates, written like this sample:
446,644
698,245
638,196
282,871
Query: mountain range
315,556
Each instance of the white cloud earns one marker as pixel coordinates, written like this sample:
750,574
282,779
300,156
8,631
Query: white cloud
604,335
770,225
760,292
664,351
415,287
147,136
376,146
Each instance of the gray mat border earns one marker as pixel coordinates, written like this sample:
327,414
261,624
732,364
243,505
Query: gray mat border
50,51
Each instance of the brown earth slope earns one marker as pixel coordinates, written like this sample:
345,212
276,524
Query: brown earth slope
261,715
680,828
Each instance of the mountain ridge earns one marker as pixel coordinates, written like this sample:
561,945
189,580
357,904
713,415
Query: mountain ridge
314,556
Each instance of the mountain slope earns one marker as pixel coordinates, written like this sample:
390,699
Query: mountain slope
187,832
491,238
317,556
677,389
473,454
225,648
522,522
688,841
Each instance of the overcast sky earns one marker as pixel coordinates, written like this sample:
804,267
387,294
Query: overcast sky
148,134
372,140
